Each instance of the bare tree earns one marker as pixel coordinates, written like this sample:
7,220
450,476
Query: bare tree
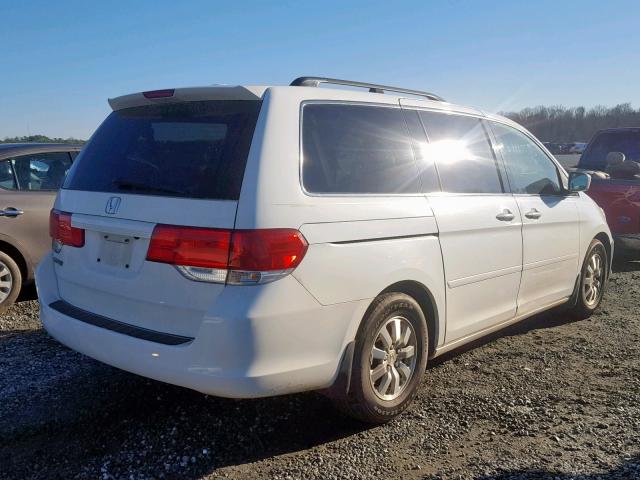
576,124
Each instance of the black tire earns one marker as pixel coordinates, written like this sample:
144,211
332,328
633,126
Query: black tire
584,306
9,271
361,401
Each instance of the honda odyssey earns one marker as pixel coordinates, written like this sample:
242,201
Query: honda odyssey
256,241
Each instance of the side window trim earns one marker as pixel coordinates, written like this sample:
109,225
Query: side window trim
498,156
499,162
415,142
15,175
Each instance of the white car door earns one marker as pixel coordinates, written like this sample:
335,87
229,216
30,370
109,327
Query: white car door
550,220
478,221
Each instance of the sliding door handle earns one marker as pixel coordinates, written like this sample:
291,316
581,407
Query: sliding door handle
505,215
533,214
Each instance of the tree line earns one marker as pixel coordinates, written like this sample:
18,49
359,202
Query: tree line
574,124
549,124
40,139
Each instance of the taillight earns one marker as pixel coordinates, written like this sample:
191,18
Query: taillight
199,253
262,256
239,257
62,232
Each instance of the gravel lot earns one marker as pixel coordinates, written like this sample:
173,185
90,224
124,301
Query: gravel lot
548,398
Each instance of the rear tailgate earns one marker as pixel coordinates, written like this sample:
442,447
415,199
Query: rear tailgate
177,164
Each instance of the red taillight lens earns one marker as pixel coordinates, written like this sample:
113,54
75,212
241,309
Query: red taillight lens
159,93
245,254
190,246
268,249
61,230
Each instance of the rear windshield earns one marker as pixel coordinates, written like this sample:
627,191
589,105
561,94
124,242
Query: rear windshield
627,142
191,149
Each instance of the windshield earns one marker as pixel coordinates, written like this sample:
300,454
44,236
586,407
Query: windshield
190,149
627,142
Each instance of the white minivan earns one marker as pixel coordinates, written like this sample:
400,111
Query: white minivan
256,241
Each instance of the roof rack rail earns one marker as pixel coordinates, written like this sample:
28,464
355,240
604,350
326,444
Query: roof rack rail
373,87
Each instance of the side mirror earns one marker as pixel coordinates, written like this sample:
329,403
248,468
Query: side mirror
579,181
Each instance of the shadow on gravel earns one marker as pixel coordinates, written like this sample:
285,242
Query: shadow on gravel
550,319
28,293
621,266
629,470
88,415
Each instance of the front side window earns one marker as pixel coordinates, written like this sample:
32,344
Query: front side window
529,169
356,149
460,147
37,171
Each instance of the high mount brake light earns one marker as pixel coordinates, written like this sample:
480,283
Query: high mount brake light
239,257
62,232
159,93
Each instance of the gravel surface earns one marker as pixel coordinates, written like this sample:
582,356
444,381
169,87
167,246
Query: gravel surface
548,398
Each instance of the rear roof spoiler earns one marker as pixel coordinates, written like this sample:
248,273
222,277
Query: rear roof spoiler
189,94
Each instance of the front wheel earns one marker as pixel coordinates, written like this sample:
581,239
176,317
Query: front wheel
592,280
390,357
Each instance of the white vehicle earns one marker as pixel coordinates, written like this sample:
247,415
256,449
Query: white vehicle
257,241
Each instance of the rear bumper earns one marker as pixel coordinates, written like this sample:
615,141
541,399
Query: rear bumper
254,341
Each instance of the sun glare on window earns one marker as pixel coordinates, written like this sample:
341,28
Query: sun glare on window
446,151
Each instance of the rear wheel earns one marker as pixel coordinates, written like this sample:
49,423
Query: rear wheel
10,281
592,280
390,358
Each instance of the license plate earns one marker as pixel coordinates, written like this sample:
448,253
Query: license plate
116,250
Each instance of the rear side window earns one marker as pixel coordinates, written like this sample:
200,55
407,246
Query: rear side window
530,170
356,149
191,149
461,149
35,171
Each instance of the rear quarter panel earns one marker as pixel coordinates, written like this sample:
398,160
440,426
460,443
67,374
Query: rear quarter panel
342,263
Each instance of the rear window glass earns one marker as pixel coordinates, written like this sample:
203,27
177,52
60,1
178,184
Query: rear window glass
627,142
191,149
357,149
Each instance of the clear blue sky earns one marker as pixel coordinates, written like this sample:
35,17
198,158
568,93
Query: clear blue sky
62,60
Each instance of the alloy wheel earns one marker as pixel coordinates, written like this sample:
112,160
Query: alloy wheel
6,282
593,279
393,358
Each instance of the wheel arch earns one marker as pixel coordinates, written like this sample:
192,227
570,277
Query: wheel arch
17,256
427,303
606,241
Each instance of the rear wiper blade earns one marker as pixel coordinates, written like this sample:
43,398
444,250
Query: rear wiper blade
143,187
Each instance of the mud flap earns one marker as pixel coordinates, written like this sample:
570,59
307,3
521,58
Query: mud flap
341,386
